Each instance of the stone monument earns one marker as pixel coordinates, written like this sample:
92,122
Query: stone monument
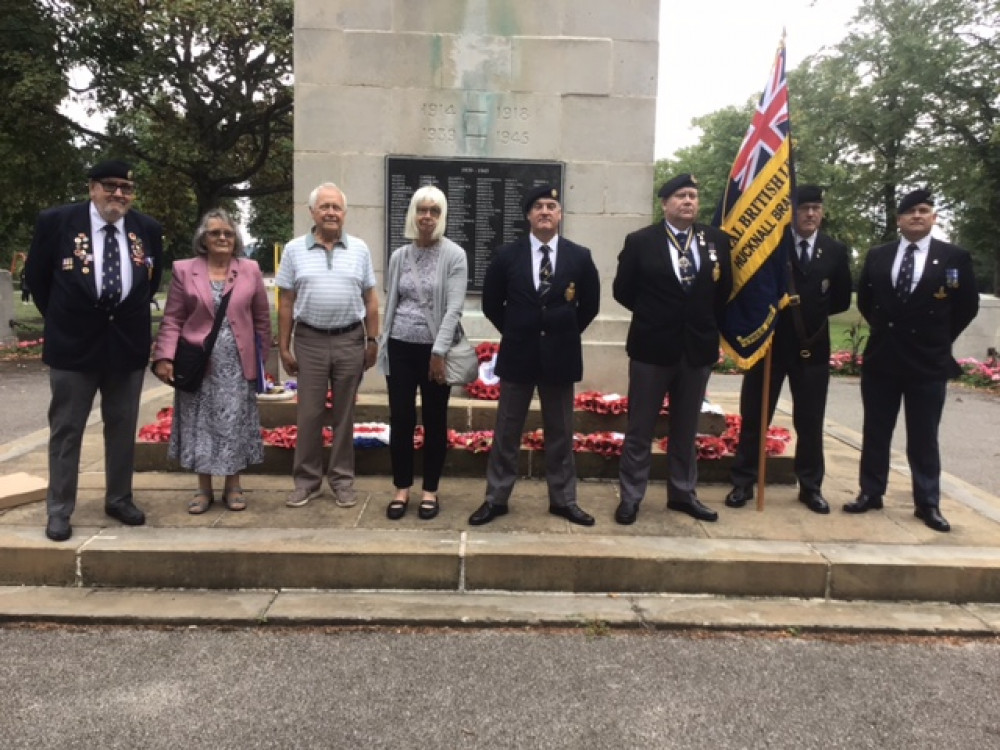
7,336
566,81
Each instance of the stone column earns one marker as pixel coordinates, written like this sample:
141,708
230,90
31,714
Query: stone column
566,80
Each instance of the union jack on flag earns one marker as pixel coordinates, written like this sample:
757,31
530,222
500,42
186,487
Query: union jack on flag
755,210
768,130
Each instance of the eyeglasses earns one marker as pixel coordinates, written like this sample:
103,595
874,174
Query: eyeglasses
431,210
223,234
111,187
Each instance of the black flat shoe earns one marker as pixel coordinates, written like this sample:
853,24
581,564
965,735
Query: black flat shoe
486,513
815,502
932,518
864,503
693,508
626,515
126,512
572,513
58,529
397,509
739,496
428,508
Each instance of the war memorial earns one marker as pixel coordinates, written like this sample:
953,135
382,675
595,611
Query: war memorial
486,98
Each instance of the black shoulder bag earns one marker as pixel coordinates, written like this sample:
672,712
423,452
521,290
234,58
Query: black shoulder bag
191,360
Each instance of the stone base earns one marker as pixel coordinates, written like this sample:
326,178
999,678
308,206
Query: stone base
461,463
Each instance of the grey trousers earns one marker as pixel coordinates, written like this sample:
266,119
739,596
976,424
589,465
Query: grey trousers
647,385
327,363
557,421
72,398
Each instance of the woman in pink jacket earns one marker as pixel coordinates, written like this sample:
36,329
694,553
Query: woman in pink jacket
216,429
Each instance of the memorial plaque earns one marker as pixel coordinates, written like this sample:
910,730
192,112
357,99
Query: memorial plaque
484,201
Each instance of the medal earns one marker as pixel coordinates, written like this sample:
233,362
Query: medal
570,292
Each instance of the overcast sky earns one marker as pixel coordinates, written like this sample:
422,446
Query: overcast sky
714,53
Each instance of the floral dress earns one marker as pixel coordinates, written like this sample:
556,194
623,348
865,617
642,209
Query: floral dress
216,430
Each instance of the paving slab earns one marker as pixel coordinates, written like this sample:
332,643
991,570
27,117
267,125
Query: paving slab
666,570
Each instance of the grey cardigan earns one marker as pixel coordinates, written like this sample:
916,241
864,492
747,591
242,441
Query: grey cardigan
446,305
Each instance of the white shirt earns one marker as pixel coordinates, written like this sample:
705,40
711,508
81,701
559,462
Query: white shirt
919,258
536,255
97,236
675,254
810,240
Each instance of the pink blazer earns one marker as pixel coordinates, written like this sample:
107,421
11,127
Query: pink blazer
190,310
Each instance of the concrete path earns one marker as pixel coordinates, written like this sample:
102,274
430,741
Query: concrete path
783,567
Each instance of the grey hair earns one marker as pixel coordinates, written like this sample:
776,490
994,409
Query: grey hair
199,234
325,186
431,194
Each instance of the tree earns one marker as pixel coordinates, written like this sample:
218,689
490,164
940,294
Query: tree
199,92
41,166
709,160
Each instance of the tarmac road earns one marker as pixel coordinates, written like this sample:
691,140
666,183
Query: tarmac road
970,449
127,688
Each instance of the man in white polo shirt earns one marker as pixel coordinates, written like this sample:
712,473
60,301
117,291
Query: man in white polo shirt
328,294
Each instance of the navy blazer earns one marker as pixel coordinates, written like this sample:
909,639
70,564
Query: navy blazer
667,321
824,289
913,338
80,335
540,337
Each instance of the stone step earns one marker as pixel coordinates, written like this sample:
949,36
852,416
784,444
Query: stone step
469,414
463,463
473,561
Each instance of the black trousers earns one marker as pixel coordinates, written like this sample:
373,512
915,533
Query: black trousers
409,365
809,383
923,403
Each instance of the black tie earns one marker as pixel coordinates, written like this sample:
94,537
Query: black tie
111,284
685,261
544,272
803,253
905,278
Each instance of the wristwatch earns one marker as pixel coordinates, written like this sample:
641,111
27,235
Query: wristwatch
370,340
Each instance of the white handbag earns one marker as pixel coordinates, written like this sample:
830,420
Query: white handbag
461,363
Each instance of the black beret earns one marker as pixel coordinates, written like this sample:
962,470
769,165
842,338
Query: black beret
913,199
677,183
540,191
808,194
111,168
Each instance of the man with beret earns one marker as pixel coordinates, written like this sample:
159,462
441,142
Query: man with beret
94,268
541,292
675,277
819,284
918,295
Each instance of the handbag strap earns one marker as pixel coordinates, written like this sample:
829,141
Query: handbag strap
217,324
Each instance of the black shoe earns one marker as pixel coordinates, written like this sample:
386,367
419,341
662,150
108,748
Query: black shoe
126,512
572,513
428,509
693,508
932,518
814,501
396,509
626,514
487,513
739,496
58,529
864,503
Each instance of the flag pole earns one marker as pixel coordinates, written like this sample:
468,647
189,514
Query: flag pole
765,408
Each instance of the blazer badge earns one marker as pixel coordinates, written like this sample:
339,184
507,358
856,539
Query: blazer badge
570,292
824,286
941,293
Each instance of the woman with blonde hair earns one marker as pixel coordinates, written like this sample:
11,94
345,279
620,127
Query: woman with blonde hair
427,279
